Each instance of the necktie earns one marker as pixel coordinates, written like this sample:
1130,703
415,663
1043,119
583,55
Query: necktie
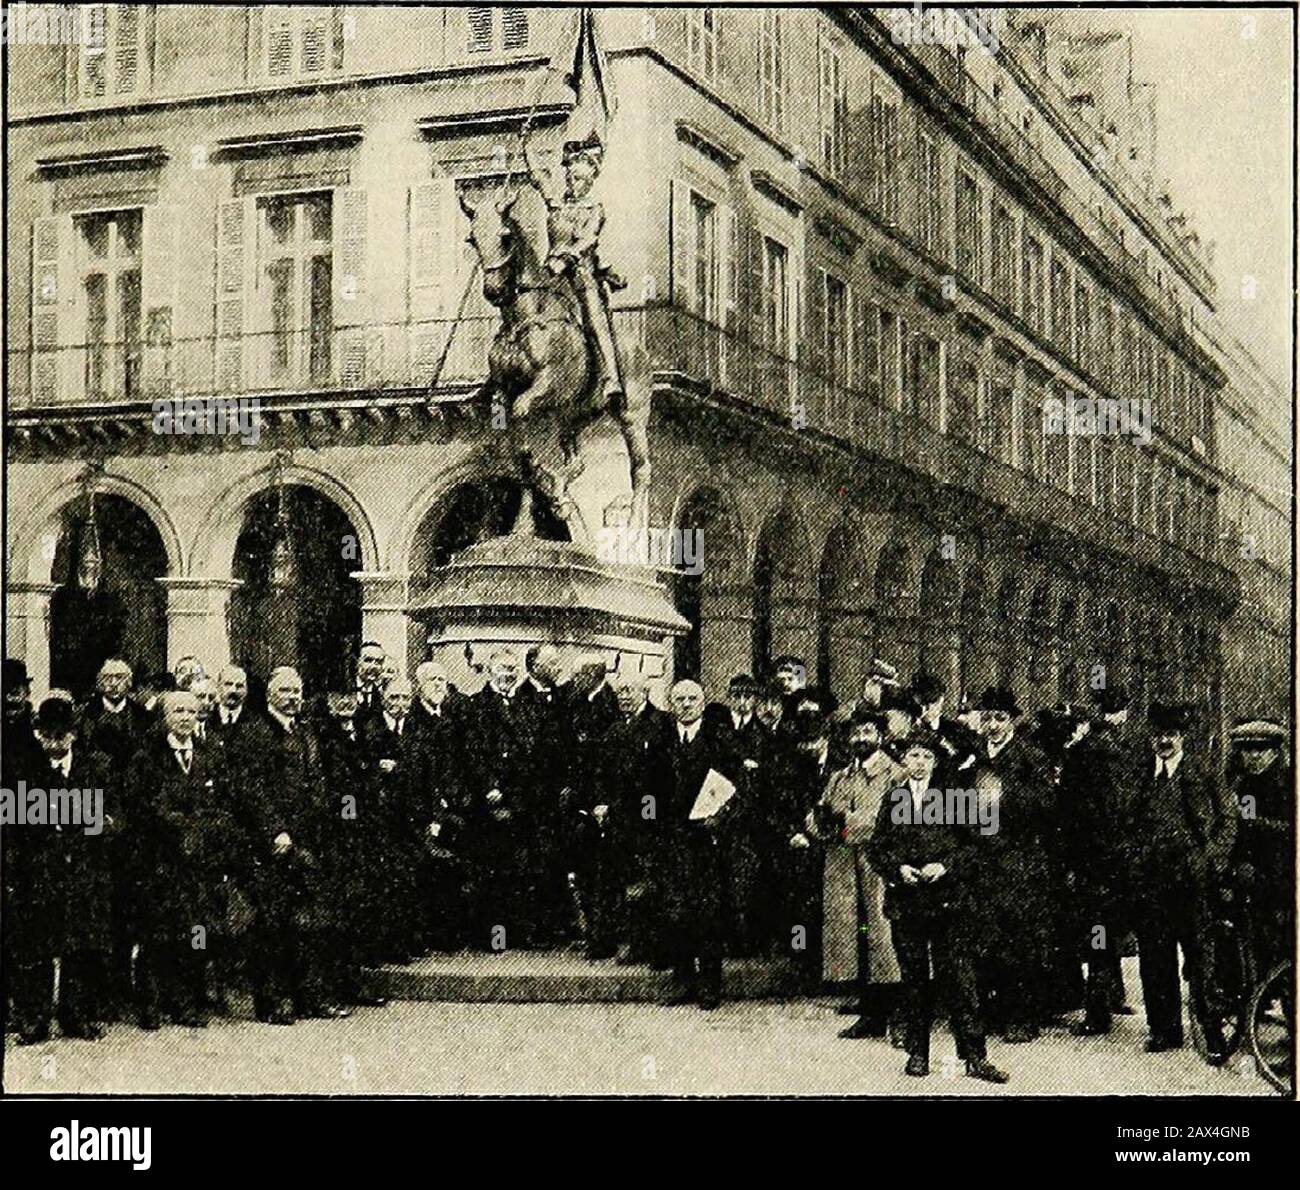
184,756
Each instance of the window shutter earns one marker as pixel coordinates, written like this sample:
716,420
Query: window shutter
279,44
430,223
93,81
514,28
351,291
315,43
480,30
338,36
680,266
236,248
729,249
126,49
53,363
158,294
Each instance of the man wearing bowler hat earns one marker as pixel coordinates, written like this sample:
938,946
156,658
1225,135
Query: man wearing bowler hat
1182,831
926,860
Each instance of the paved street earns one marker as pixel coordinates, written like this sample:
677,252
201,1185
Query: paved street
596,1049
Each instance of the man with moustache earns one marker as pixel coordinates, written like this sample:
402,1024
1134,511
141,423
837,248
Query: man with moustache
369,680
185,831
276,770
1183,830
232,700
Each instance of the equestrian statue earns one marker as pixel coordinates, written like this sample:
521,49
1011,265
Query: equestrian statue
555,352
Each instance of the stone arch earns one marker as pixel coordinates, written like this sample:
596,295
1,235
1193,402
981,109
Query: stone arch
940,600
213,547
36,535
844,611
1040,642
716,600
785,592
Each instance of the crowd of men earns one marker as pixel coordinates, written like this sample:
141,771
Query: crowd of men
998,863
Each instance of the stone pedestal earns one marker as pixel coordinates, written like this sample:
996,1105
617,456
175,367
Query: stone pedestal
198,619
513,592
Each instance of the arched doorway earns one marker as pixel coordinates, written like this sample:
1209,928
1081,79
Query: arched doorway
974,628
1007,611
893,604
314,621
940,643
712,600
125,615
1040,644
843,613
784,594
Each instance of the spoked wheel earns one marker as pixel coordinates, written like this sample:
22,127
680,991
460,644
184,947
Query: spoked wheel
1226,989
1270,1022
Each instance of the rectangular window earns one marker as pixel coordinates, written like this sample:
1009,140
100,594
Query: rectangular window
702,26
302,41
832,102
885,155
295,254
1082,321
497,30
112,51
1105,366
930,196
704,257
1060,303
1032,282
872,355
776,296
970,228
108,265
836,340
1031,430
771,69
1004,256
1000,420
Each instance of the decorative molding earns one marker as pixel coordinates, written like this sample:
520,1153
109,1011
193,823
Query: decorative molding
150,157
932,296
890,269
770,188
344,136
972,324
712,148
468,123
839,235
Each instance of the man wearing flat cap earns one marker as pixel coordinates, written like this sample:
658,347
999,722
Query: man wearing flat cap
1015,874
926,862
1263,789
1182,831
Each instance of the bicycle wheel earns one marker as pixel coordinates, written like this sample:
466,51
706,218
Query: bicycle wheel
1225,988
1270,1023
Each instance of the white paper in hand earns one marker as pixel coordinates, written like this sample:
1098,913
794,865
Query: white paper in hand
715,793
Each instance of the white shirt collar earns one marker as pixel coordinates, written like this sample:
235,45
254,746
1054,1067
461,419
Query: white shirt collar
111,708
434,708
63,766
689,731
394,724
229,715
177,745
1170,764
994,749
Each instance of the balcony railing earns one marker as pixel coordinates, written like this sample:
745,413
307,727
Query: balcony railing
684,351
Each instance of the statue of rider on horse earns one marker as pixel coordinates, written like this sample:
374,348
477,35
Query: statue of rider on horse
556,351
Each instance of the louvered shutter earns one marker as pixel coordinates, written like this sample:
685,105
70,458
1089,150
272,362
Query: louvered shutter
351,288
158,293
279,43
480,30
53,360
236,250
126,50
315,42
430,223
514,28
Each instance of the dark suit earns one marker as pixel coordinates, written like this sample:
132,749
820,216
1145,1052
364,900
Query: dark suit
1182,834
930,922
688,860
277,778
59,882
751,855
185,833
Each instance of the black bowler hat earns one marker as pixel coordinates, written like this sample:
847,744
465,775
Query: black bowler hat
56,715
919,737
861,716
15,672
743,684
999,698
1111,700
1170,717
926,688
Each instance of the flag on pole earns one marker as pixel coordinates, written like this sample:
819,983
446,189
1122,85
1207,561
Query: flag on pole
588,76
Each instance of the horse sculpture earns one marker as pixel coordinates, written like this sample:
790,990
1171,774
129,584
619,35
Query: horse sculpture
542,362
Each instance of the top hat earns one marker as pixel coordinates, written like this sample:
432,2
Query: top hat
999,698
1170,717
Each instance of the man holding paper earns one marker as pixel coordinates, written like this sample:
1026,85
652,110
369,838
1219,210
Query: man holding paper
701,766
